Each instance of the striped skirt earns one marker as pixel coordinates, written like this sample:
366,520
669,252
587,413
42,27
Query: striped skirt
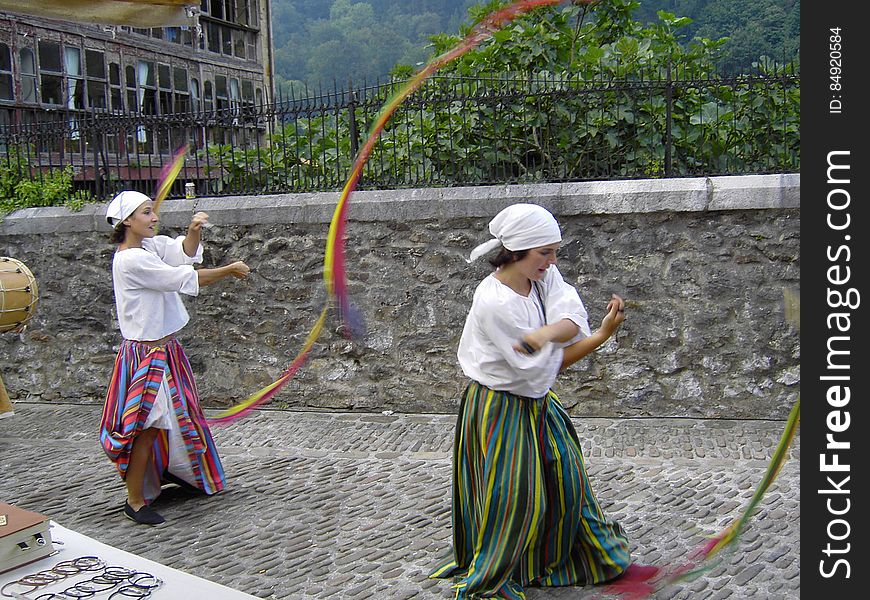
523,511
140,373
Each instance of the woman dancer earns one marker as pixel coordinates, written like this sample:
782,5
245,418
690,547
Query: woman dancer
152,427
523,510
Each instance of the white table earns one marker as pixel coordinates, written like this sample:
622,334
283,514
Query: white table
177,585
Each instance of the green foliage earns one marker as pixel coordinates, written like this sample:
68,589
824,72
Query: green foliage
549,98
612,132
753,28
21,188
302,155
594,41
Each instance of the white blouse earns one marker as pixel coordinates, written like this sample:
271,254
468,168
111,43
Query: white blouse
147,283
500,317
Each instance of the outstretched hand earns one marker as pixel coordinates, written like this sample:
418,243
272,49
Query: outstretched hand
240,270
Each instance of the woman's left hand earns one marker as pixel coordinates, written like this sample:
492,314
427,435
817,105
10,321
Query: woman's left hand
530,343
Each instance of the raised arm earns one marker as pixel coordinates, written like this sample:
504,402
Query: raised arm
194,233
611,322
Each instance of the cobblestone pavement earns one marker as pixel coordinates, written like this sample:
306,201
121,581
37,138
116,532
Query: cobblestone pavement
338,505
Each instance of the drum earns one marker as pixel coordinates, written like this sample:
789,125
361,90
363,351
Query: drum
18,295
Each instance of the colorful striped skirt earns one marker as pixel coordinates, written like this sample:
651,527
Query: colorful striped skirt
523,511
140,373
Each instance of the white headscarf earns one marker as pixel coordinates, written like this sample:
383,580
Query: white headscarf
123,205
520,227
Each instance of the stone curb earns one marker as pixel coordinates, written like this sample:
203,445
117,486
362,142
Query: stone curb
743,192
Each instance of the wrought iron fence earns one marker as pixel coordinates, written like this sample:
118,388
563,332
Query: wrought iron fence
453,131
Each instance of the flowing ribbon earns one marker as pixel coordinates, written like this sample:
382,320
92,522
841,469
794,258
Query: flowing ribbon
639,582
334,270
262,396
168,175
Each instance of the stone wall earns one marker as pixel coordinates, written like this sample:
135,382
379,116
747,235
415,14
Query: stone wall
710,269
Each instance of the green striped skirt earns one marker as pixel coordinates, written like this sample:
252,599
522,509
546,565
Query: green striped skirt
524,513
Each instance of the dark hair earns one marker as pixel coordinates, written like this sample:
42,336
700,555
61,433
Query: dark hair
118,233
506,257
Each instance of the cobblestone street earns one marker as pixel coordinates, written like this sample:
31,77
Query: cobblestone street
352,505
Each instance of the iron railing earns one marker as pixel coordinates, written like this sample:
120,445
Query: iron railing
452,131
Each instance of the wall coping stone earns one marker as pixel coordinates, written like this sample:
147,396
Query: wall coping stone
696,194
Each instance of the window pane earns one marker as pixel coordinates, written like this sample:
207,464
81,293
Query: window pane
240,44
252,45
146,73
194,94
5,58
165,103
130,76
207,96
6,91
76,93
213,32
228,40
242,12
95,63
28,88
114,73
179,78
97,94
182,103
50,85
28,61
49,56
165,81
117,104
149,102
217,9
72,59
220,86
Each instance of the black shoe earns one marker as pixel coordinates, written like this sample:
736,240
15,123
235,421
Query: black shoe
144,516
